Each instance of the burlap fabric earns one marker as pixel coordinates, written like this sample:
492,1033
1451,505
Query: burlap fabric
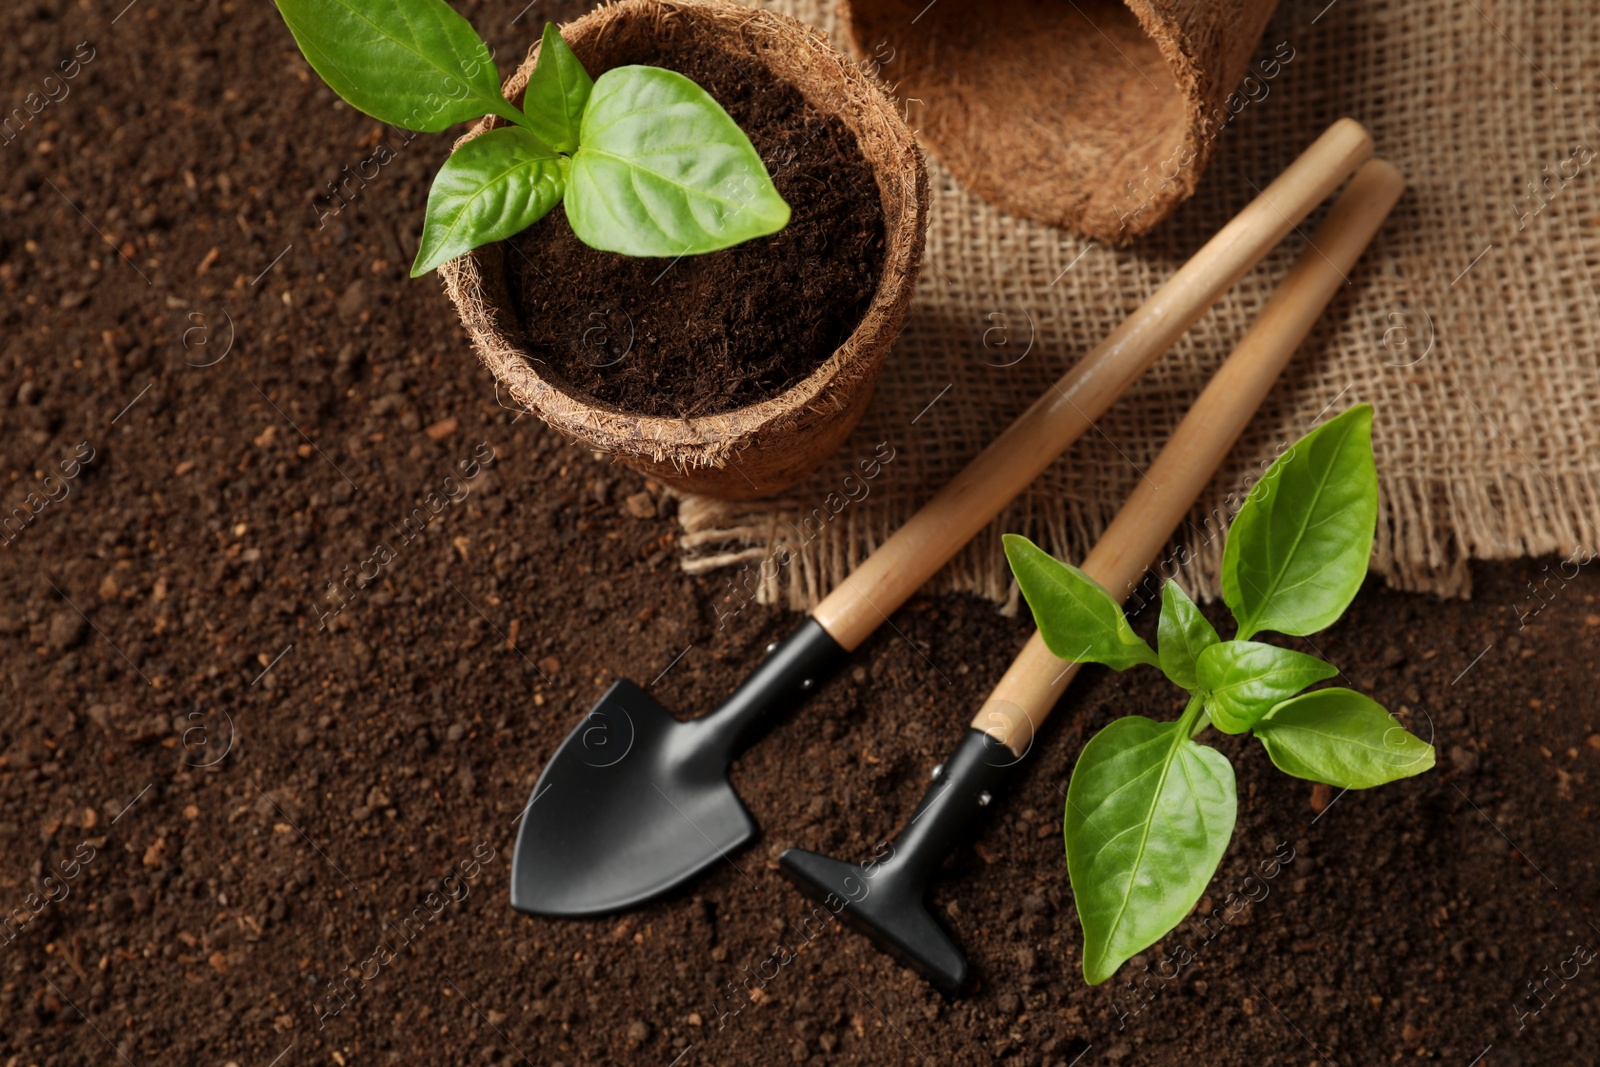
1471,324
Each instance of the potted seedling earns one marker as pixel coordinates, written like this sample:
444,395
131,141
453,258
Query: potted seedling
1150,808
683,232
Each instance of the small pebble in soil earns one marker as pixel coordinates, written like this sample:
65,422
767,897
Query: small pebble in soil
640,505
67,630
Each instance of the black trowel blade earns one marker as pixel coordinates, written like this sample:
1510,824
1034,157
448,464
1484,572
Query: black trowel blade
633,803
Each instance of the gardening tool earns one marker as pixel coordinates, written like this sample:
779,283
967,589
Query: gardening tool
885,899
635,801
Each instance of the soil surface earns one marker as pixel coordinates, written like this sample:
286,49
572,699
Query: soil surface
705,334
293,625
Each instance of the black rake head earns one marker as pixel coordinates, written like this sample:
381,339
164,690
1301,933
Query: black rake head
887,899
886,902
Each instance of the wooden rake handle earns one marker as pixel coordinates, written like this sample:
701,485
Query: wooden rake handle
1035,680
1041,433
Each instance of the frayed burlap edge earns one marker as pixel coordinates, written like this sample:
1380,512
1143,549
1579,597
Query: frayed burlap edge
767,558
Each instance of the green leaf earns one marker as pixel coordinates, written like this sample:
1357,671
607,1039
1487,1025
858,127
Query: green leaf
661,170
1076,616
1149,815
558,90
1243,680
412,63
1342,738
1298,550
497,184
1182,634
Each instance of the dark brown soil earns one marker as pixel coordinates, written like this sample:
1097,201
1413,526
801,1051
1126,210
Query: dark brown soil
706,334
248,801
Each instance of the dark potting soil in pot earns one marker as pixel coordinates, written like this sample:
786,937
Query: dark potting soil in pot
706,334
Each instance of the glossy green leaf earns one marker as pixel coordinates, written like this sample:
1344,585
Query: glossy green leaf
557,92
413,63
1149,815
1182,634
497,184
1077,618
1342,738
1243,680
662,170
1298,550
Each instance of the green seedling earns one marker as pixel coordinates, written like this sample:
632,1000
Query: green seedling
1150,810
648,164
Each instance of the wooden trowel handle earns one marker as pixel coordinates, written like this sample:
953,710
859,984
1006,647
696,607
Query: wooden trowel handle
1041,433
1035,680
